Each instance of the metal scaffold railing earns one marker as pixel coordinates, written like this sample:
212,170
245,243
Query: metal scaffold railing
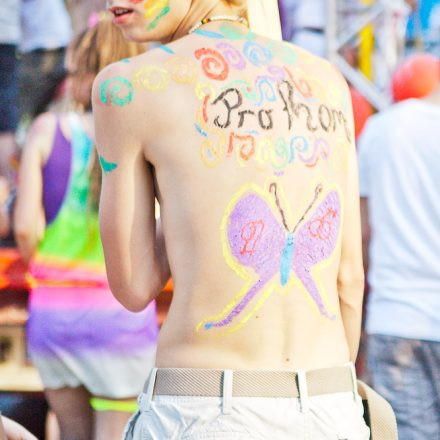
375,28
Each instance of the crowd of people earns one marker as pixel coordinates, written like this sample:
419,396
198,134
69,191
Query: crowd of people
91,379
93,335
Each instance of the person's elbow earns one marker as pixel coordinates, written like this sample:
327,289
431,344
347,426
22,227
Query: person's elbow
135,297
131,300
24,237
351,278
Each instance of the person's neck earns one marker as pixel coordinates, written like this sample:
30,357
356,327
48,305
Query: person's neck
434,97
198,11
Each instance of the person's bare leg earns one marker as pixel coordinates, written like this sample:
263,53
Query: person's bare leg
74,414
52,427
109,425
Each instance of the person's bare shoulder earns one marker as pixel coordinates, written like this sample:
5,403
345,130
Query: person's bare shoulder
112,88
116,84
324,68
125,99
318,80
41,134
43,124
118,87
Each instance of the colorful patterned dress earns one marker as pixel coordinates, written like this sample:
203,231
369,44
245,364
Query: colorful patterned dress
78,334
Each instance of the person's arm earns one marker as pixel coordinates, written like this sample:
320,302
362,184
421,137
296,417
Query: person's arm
351,274
368,143
29,220
366,232
136,262
10,430
5,221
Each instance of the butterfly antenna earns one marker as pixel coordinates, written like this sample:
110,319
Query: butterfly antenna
318,190
274,189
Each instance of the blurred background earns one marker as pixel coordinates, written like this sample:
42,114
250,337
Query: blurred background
366,39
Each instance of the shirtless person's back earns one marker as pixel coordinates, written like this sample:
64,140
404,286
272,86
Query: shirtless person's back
248,145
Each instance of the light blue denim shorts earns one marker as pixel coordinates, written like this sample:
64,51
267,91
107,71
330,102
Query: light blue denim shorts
407,373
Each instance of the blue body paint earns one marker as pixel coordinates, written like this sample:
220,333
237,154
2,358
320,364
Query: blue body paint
209,34
166,49
201,131
107,167
112,89
286,259
253,132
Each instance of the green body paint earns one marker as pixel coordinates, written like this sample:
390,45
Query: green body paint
117,90
162,14
107,167
233,33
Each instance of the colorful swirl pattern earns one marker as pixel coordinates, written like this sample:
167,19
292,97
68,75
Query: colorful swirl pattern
117,91
213,64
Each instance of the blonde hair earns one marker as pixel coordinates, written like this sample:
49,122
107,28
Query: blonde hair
264,17
99,46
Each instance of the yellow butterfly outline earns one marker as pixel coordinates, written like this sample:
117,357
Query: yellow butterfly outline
248,275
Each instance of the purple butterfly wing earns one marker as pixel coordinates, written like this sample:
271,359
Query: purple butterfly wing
256,240
255,236
315,242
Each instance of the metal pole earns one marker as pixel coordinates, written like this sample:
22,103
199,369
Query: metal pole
337,37
331,28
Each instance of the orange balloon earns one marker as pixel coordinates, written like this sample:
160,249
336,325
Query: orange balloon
416,77
362,110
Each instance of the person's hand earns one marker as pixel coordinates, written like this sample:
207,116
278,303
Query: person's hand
14,431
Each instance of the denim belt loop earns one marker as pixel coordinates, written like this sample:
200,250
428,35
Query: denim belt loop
227,391
145,399
303,392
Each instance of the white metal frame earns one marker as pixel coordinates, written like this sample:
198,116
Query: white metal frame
337,38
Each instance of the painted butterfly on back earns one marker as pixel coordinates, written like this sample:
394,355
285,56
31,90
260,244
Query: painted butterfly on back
257,240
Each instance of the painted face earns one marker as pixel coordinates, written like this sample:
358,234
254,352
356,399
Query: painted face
148,20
